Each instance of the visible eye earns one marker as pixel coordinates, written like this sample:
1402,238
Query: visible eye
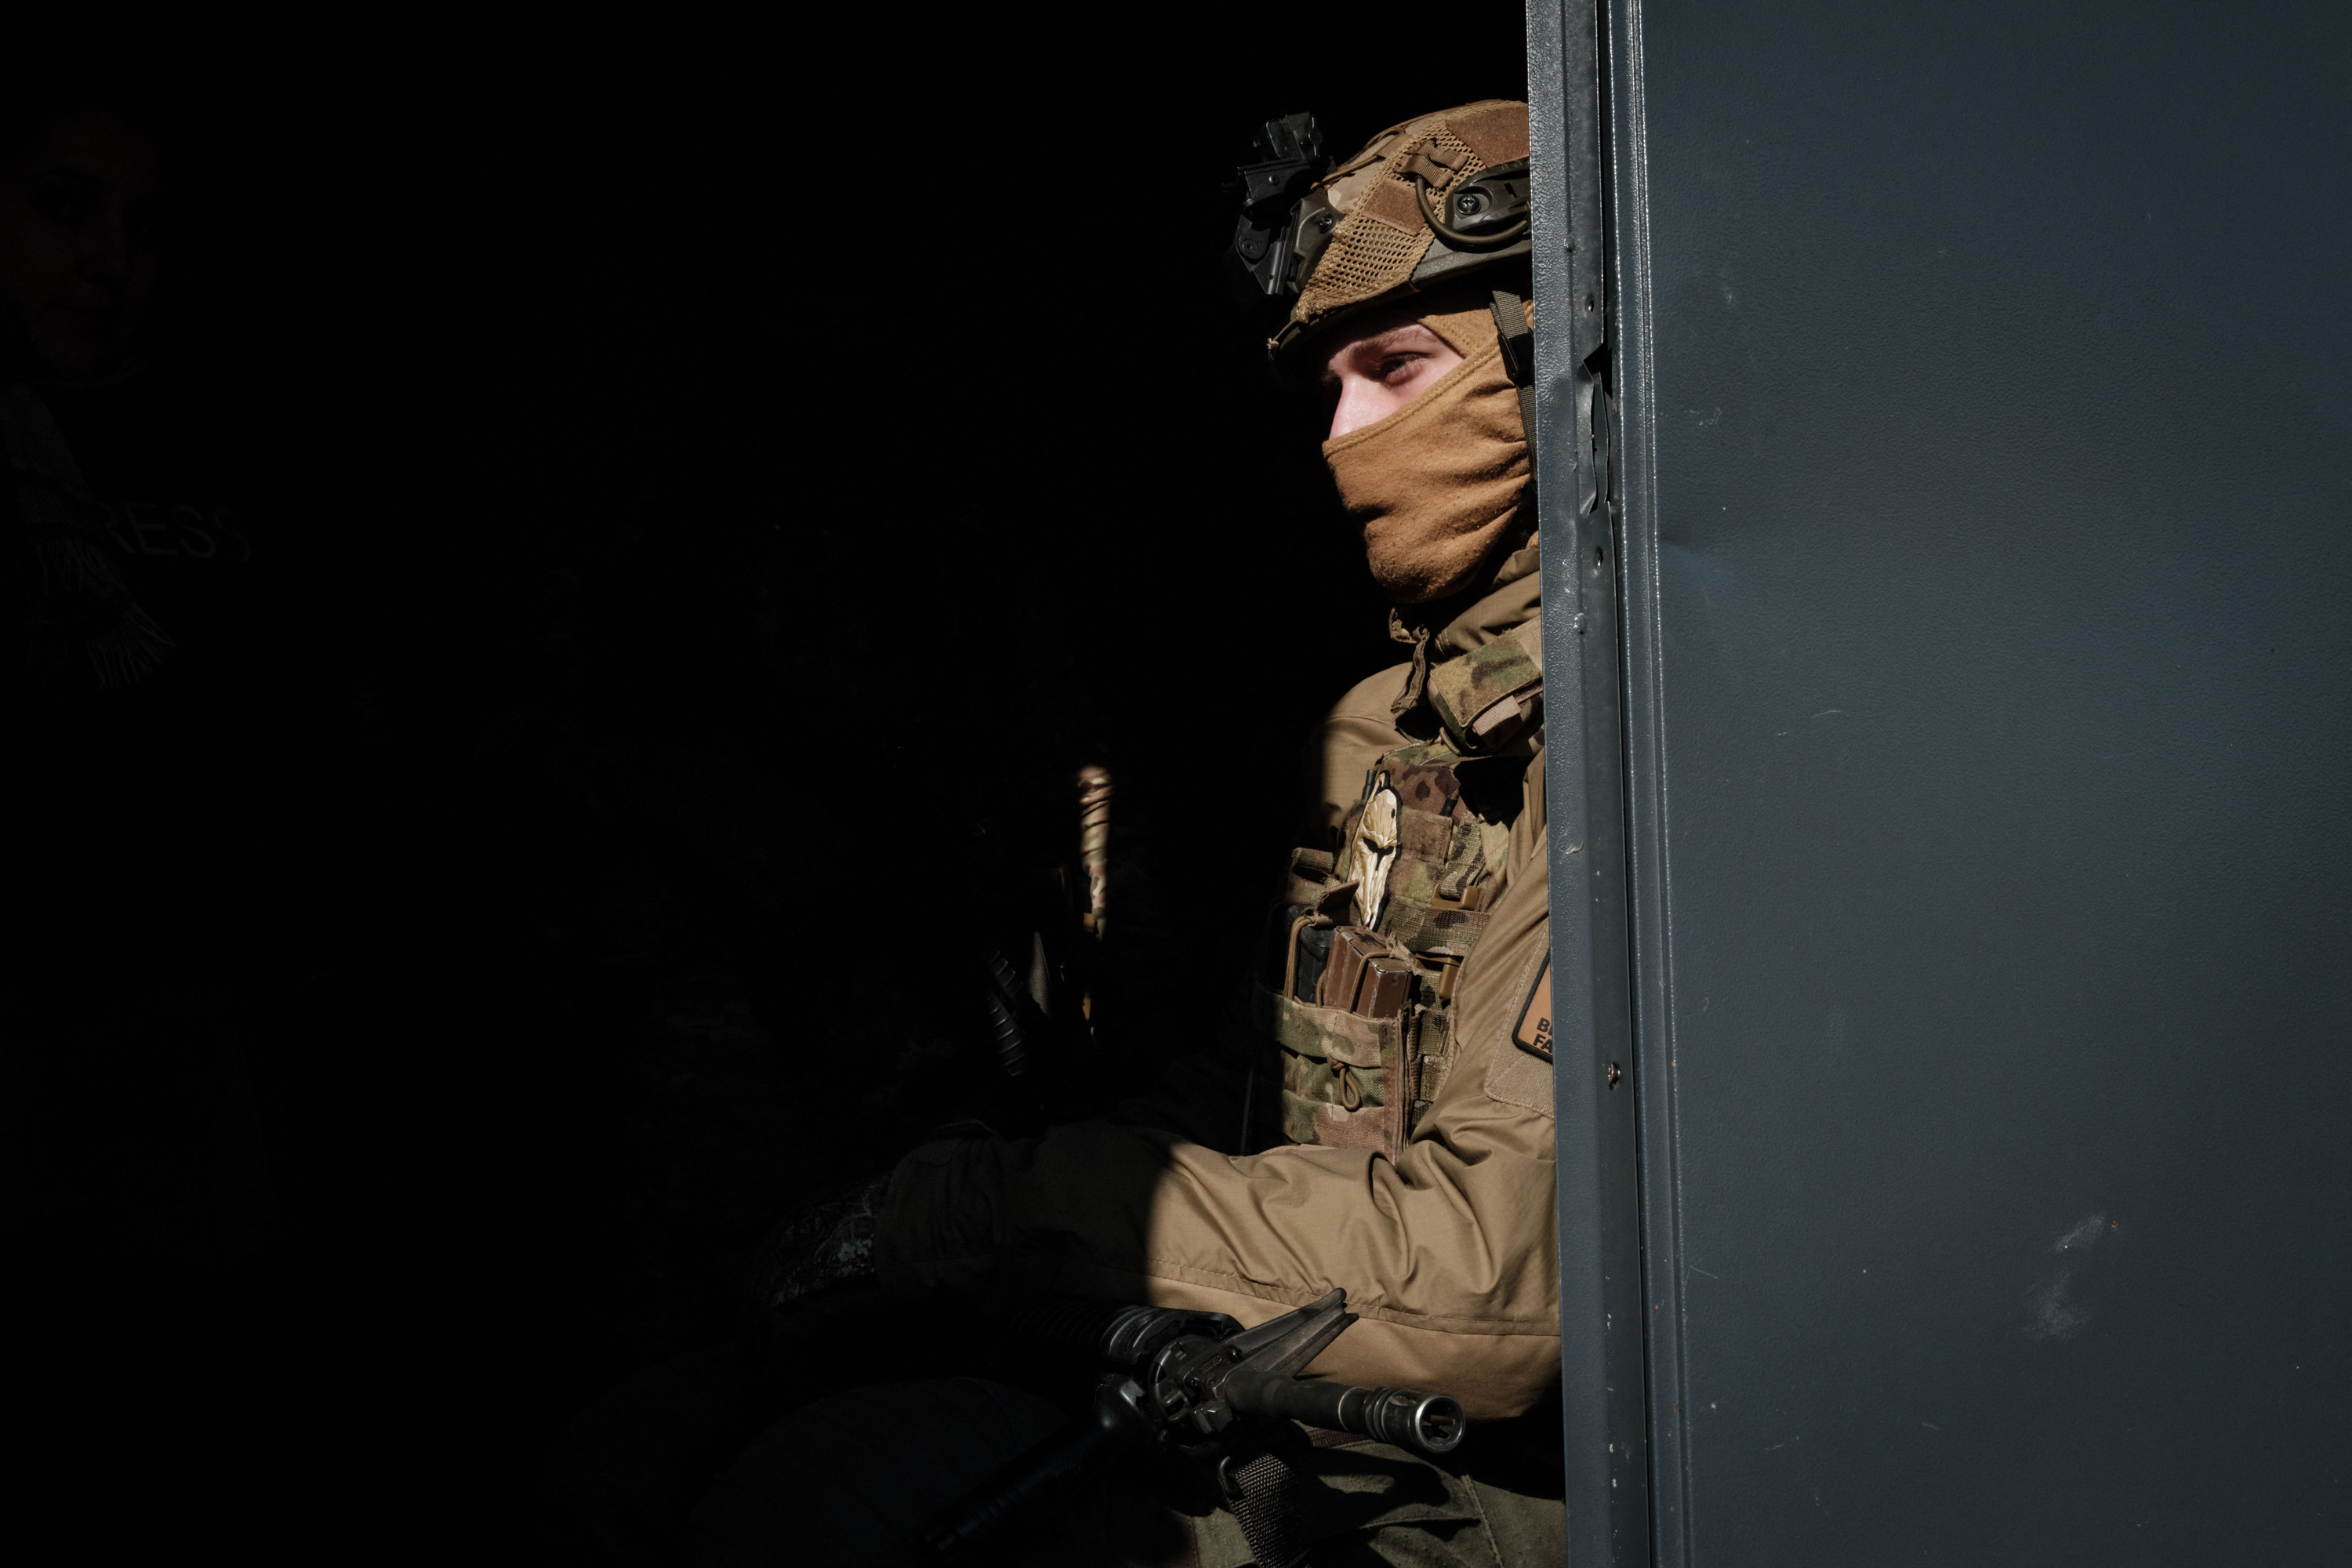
1398,367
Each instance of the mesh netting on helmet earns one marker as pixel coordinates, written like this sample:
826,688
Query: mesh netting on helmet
1381,241
1365,260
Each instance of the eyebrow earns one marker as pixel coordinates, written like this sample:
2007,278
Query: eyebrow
1379,342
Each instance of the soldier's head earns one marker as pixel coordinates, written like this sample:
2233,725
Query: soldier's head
79,260
1388,263
1378,363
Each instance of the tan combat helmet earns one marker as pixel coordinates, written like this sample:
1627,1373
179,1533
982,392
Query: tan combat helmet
1426,203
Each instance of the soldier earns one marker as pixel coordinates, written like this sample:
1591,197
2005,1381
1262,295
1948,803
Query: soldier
1389,1131
149,801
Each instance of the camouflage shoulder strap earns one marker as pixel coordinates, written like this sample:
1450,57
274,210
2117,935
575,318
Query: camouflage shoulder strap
1491,696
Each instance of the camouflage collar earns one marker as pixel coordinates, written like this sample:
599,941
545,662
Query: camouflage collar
1482,616
1489,609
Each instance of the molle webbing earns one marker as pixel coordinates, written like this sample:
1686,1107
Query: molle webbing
1337,1081
1354,1081
1441,855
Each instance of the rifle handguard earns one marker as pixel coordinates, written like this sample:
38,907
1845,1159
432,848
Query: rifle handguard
1179,1379
1426,1423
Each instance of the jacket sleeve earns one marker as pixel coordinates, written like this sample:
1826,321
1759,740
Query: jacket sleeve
1447,1253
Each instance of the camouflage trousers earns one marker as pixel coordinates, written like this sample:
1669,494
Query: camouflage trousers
850,1479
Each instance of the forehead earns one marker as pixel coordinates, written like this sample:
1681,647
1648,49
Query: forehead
95,144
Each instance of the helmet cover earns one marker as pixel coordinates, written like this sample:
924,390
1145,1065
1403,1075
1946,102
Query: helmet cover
1425,204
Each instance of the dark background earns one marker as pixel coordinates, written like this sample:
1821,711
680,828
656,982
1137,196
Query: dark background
716,496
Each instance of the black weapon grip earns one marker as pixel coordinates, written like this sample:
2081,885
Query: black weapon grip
1427,1423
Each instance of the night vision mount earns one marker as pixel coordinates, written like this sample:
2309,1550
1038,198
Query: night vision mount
1267,254
1286,217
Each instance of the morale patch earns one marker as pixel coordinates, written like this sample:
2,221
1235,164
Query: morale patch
1533,1033
1375,851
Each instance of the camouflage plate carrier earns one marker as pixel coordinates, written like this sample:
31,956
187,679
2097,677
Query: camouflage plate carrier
1369,939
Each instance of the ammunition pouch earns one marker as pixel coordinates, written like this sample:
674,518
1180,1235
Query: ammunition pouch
1339,1074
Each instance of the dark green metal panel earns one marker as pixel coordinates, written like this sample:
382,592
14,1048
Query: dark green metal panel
1987,466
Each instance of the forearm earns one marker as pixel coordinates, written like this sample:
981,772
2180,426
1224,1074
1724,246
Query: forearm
1447,1258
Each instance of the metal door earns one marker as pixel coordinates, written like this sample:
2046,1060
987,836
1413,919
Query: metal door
1976,947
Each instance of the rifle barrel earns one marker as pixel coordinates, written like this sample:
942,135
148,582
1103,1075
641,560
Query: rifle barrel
1426,1423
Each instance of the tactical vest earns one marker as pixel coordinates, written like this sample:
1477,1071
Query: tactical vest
1369,939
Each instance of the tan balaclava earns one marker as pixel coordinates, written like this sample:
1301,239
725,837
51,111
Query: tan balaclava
1436,485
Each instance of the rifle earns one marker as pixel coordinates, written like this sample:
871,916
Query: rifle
1198,1384
1040,994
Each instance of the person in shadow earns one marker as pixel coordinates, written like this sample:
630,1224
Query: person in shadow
135,1198
1379,1119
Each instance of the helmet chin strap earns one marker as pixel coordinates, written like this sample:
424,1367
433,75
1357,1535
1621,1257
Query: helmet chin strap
1518,341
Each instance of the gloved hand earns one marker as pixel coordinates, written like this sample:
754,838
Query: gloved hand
821,1249
824,1247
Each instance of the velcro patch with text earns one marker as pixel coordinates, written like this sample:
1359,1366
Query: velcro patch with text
1533,1033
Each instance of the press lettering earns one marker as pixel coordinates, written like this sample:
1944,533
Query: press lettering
142,531
193,534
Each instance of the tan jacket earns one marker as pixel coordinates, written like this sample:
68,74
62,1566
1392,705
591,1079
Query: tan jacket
1448,1253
